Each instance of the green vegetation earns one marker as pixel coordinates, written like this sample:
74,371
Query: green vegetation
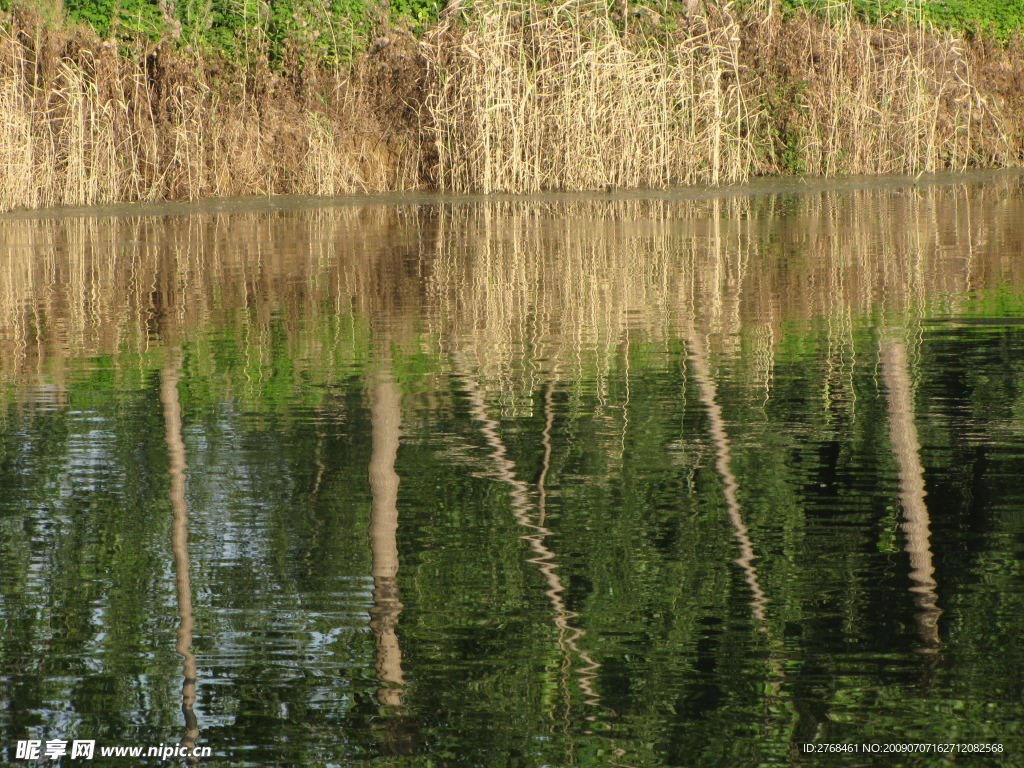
332,31
1001,18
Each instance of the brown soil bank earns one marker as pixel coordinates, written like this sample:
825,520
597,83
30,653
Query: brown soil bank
505,96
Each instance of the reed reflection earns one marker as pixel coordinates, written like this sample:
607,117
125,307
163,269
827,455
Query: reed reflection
571,277
723,464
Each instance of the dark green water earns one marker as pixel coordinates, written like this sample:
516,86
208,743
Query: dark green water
525,483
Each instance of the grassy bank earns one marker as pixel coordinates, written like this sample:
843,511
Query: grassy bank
216,98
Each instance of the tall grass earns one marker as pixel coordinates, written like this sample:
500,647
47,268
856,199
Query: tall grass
530,96
506,95
81,124
895,97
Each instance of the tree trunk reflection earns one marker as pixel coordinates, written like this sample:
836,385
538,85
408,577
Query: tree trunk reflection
386,421
543,557
907,450
169,399
723,463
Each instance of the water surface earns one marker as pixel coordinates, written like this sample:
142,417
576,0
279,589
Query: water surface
609,481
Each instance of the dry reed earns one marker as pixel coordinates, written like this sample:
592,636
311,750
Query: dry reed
532,97
892,98
81,123
505,95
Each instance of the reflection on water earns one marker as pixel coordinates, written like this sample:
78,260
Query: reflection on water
723,463
385,421
170,374
571,480
544,558
907,450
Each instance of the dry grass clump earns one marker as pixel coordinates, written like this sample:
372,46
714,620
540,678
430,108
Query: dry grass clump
534,97
846,97
81,123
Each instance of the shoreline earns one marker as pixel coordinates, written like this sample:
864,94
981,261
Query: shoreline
762,186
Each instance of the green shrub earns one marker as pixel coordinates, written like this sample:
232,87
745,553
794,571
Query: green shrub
333,31
1001,18
132,18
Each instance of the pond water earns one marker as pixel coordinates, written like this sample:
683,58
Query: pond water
688,479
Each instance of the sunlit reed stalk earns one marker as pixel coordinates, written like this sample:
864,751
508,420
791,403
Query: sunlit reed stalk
892,97
83,123
505,95
530,97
